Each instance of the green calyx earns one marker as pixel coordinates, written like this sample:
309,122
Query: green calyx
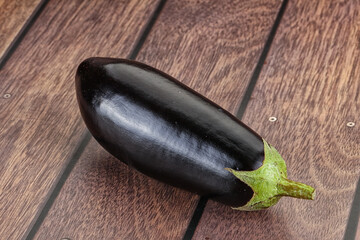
270,183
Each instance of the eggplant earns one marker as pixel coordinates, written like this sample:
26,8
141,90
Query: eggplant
167,131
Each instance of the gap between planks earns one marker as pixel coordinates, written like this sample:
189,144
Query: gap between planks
240,112
87,136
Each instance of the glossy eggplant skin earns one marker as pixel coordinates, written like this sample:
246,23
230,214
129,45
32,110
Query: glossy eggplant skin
167,131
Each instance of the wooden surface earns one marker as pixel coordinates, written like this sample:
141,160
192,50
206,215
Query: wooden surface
105,199
213,48
128,204
13,15
39,124
311,84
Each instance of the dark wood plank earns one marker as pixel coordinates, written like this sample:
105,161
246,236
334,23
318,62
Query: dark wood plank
210,46
311,84
39,121
13,15
105,199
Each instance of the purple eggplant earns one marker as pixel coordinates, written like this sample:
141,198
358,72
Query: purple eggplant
169,132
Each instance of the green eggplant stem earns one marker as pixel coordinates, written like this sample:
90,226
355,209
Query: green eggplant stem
296,189
270,183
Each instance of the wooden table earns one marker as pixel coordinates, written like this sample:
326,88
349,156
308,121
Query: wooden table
297,61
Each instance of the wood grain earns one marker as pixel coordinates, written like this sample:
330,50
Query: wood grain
105,199
13,15
39,124
311,84
210,46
